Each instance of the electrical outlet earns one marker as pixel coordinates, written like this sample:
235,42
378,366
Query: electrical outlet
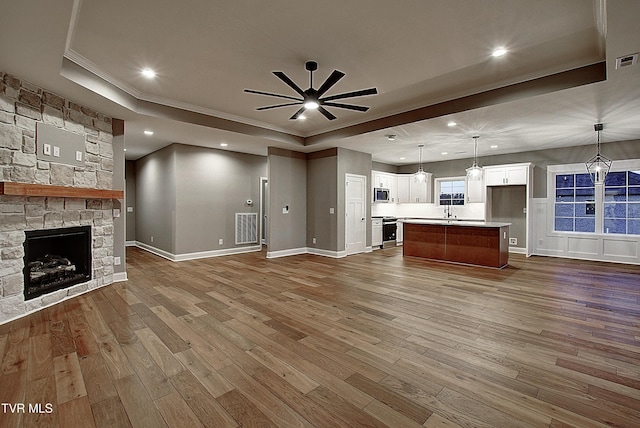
314,239
513,241
56,151
152,239
220,241
46,149
78,155
116,261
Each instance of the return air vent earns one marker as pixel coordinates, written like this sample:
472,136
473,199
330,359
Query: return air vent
246,228
627,60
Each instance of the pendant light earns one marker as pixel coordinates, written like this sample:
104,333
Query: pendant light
420,176
598,166
474,173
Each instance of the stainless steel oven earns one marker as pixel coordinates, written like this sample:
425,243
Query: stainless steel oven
389,229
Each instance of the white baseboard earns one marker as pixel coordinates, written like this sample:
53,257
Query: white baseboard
130,243
120,277
517,250
326,253
198,255
285,253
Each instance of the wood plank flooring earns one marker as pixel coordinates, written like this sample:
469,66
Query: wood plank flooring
370,340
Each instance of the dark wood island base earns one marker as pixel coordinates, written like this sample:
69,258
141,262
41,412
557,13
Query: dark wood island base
481,244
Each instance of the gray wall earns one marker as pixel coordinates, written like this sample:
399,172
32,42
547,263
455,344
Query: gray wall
287,187
322,195
352,162
130,200
507,206
119,222
156,199
540,159
211,186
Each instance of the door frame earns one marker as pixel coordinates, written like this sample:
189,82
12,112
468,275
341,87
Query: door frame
346,211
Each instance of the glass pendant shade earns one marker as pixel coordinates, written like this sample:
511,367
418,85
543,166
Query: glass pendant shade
420,176
474,172
598,166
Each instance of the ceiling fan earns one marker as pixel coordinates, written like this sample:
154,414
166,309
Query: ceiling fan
313,98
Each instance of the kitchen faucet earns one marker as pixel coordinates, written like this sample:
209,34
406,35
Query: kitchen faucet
447,212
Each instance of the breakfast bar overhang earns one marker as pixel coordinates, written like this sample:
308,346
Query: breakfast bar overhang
466,242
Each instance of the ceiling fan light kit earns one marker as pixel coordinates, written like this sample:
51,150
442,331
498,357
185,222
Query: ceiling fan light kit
312,99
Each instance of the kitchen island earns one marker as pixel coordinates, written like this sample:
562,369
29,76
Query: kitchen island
467,242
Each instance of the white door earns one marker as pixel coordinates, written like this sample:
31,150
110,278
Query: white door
356,213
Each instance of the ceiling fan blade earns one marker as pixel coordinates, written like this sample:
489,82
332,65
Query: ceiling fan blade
347,106
298,113
331,80
370,91
279,105
269,94
280,75
326,113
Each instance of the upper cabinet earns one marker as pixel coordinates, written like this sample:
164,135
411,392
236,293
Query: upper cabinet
409,191
386,180
475,191
506,175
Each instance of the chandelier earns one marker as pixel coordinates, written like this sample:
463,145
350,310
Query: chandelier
474,172
598,166
420,176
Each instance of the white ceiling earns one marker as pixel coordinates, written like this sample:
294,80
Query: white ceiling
416,53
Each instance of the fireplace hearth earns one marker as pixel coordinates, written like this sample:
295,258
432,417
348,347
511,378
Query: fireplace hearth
56,259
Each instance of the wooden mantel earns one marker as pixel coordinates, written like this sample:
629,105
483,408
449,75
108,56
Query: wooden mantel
28,189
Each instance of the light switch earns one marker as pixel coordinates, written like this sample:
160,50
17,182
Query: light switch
332,211
79,156
129,209
46,149
116,212
56,151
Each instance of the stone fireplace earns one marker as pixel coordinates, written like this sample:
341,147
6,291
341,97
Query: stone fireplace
88,205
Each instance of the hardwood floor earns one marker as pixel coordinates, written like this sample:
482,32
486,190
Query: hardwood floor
369,340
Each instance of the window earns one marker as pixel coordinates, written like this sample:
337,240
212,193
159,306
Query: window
622,203
582,207
575,207
451,192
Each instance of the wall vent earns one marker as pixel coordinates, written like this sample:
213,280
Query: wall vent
246,228
627,60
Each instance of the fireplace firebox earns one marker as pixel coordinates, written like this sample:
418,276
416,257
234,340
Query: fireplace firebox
55,259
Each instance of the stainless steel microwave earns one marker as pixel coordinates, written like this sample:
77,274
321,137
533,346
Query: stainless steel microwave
380,194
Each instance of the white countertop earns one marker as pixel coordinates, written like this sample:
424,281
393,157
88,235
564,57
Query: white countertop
444,222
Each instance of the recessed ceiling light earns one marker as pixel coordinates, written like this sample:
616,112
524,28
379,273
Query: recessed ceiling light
445,153
452,123
125,150
148,73
499,52
302,117
148,132
223,144
402,158
495,146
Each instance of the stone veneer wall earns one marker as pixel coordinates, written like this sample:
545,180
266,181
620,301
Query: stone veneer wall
22,105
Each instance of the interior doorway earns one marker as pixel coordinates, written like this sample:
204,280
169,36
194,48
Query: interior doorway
356,213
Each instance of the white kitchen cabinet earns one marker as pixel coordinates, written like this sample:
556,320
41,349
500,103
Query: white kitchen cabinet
420,192
409,191
475,191
376,232
506,175
386,180
404,188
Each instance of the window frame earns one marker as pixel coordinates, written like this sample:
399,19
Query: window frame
555,170
438,186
